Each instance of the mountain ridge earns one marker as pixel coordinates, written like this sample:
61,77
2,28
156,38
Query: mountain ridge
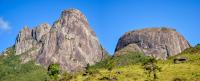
70,42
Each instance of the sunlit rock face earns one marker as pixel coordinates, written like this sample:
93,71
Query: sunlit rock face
69,42
157,42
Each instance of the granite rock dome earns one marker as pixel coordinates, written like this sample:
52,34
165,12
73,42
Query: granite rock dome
157,42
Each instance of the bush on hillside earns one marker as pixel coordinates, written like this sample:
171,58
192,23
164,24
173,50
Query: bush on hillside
151,69
54,71
66,77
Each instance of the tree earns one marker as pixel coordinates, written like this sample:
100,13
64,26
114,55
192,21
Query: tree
110,66
54,71
151,69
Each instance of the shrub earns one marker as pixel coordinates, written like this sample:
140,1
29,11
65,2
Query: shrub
151,69
54,71
90,71
102,64
66,77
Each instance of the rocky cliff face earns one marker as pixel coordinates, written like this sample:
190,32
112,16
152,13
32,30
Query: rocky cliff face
157,42
69,42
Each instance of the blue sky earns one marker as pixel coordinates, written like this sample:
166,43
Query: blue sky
110,19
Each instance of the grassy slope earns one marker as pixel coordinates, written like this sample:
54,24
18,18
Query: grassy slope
188,71
12,70
125,68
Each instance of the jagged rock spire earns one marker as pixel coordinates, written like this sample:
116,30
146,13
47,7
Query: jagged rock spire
69,42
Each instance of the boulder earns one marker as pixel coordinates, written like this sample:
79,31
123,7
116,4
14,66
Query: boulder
180,60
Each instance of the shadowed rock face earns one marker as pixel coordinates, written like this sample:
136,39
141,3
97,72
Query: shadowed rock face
158,42
69,42
127,49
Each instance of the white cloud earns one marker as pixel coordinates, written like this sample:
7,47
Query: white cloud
4,25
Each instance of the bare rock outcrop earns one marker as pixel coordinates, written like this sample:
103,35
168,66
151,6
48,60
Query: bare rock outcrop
157,42
129,48
69,42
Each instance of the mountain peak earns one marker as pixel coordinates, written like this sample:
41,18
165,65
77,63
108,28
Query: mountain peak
70,42
77,14
71,11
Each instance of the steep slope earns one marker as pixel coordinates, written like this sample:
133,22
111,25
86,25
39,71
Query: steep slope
70,42
157,42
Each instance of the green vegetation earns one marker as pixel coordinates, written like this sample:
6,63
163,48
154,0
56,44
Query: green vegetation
131,58
54,71
12,70
128,67
151,69
137,67
123,60
194,50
